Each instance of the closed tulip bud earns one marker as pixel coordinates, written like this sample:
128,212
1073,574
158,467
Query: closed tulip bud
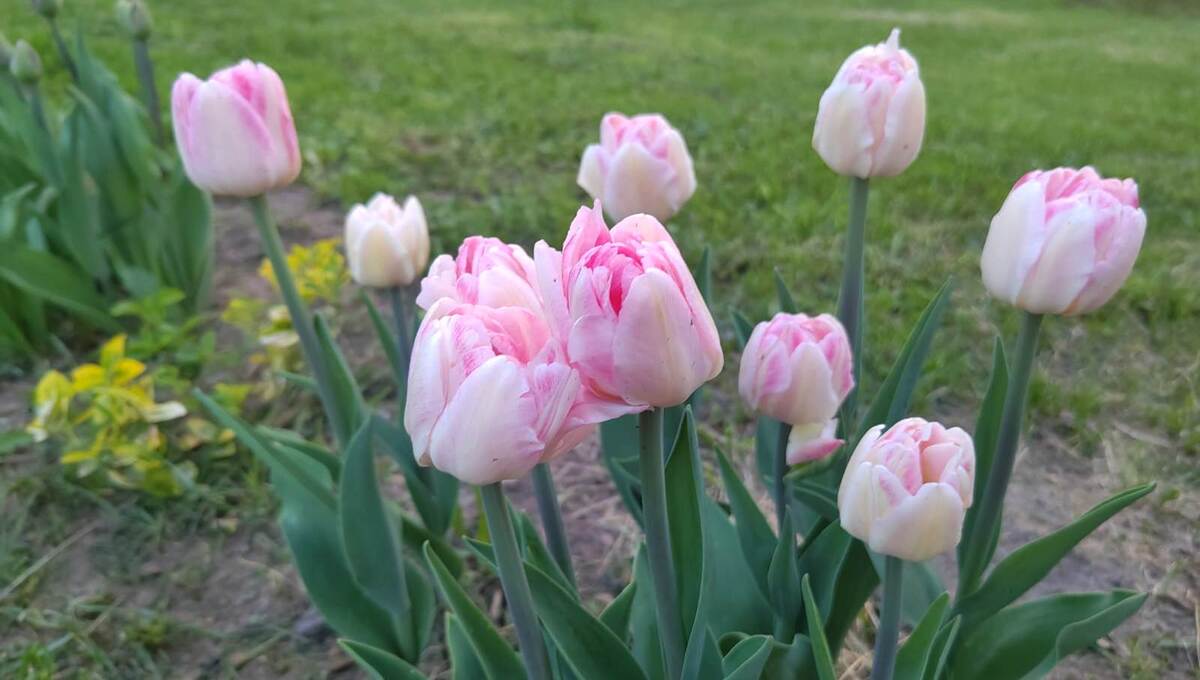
871,120
489,395
1063,242
641,165
134,17
628,311
25,64
905,491
47,8
797,369
235,130
487,271
386,245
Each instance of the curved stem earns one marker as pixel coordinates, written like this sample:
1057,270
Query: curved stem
782,501
658,540
514,582
63,52
145,74
850,299
889,620
991,506
552,521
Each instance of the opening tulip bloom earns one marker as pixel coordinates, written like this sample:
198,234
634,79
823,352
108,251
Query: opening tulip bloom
798,369
641,165
1064,241
487,271
489,395
871,119
905,491
628,311
387,245
235,130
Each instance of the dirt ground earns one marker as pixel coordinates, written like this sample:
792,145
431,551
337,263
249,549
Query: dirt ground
237,609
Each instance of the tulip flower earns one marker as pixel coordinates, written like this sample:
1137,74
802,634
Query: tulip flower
797,369
1063,242
905,491
641,165
487,271
235,130
386,244
871,119
628,311
489,395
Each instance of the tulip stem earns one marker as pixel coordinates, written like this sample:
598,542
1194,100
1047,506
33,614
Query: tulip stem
402,312
514,582
658,540
889,620
63,52
297,311
145,74
982,541
552,521
850,299
781,467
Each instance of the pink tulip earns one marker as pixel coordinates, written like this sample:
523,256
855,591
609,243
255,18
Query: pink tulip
386,244
905,491
871,119
641,165
1063,242
489,395
797,369
628,311
235,130
487,271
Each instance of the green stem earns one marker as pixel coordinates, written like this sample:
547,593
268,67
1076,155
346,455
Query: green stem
658,540
301,319
850,299
552,521
514,582
38,107
991,507
889,620
781,467
63,52
402,313
145,74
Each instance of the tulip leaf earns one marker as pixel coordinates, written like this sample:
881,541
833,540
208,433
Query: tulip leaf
1026,566
292,442
434,493
619,447
922,586
592,650
742,328
464,664
817,498
346,398
942,647
822,560
390,350
766,440
704,275
783,580
786,302
747,658
643,623
683,488
1027,640
533,550
754,533
816,634
737,604
617,614
913,657
380,664
498,658
415,536
856,580
52,279
987,431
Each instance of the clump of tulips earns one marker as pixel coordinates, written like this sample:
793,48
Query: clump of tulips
519,359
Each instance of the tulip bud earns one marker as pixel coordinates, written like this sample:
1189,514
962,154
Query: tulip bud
628,311
134,17
47,8
871,120
488,272
905,491
387,245
25,64
797,369
641,165
1063,242
235,130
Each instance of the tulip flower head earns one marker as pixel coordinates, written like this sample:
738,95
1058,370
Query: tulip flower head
871,119
905,491
798,369
1064,241
235,130
641,165
489,396
386,244
486,271
628,311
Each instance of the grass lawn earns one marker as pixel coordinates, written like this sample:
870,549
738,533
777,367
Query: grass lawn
483,109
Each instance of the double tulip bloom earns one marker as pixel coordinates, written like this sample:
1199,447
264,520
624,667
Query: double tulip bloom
487,271
1063,242
905,491
871,119
387,245
641,165
235,130
798,369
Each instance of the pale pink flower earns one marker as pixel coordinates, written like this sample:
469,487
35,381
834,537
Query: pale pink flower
486,271
386,244
641,165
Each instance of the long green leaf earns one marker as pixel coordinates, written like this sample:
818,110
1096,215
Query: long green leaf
817,497
346,397
786,302
816,634
987,429
53,280
616,614
619,447
913,657
754,533
390,349
464,663
747,658
742,328
380,664
683,512
783,581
